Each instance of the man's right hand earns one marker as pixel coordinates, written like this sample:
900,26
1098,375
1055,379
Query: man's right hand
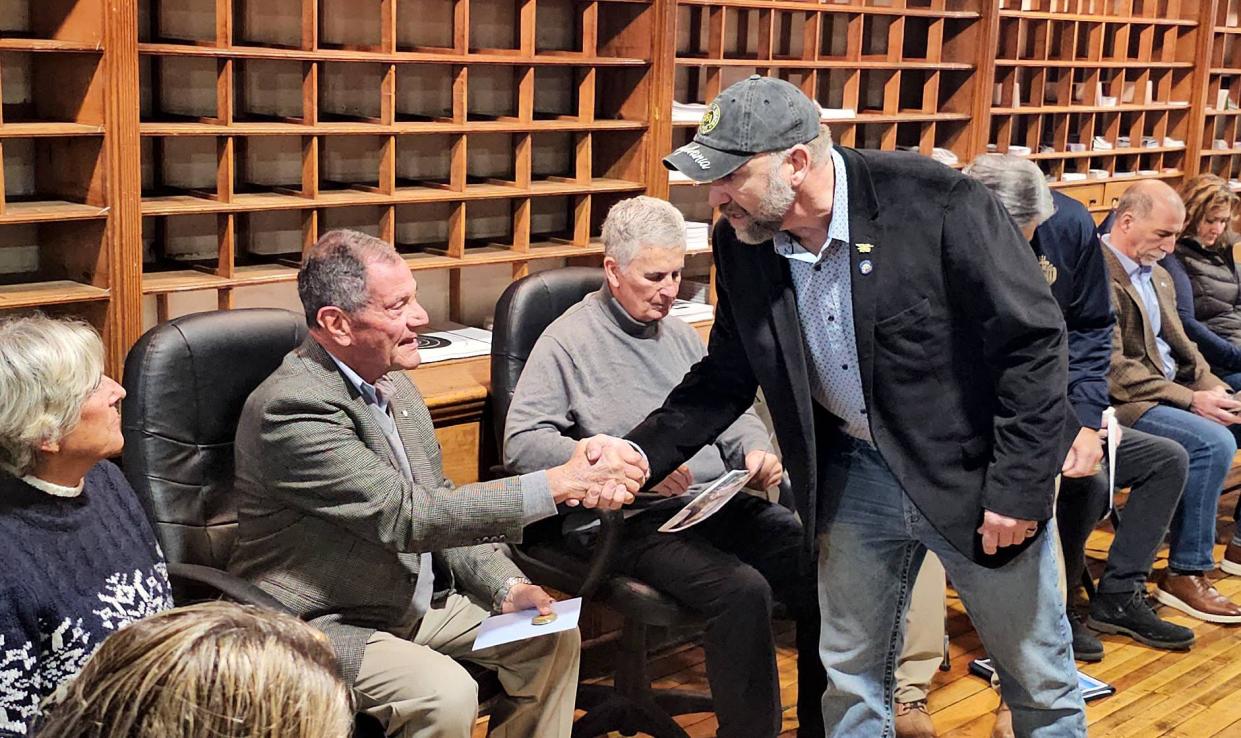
603,472
1215,405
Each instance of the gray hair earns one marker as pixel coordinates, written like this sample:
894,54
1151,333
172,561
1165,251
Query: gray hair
1018,183
639,222
820,147
333,272
48,368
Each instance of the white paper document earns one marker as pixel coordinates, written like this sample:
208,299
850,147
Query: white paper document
708,502
518,626
1113,442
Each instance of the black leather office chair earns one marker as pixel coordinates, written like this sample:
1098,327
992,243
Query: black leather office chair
523,312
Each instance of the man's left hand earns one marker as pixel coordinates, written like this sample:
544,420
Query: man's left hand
1000,531
1084,455
765,469
524,596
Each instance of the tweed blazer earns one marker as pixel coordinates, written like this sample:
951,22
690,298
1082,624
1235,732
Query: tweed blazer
1136,380
328,524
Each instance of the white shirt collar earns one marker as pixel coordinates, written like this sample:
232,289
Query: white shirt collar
53,489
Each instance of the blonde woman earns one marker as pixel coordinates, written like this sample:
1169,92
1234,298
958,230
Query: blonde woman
214,670
79,558
1208,288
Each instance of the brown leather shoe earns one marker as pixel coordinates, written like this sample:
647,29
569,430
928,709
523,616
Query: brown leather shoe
1195,595
913,721
1232,560
1003,722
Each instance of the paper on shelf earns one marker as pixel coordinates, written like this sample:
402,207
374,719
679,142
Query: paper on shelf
516,626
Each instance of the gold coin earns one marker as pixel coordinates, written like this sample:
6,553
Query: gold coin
543,619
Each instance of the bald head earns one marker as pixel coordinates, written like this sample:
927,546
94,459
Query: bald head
1148,219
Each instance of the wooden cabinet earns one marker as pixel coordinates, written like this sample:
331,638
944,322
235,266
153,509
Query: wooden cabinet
153,151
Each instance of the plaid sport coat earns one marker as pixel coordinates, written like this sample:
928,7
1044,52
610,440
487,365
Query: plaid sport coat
328,524
1136,380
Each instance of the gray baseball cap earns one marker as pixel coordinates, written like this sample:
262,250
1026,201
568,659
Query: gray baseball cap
753,116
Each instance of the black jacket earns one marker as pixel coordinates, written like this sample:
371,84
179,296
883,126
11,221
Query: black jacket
961,349
1078,277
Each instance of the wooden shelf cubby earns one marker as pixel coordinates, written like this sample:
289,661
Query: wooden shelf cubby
466,132
163,156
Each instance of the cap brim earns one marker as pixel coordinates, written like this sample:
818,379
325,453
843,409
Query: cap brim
702,163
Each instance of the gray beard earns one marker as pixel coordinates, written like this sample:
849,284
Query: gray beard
769,213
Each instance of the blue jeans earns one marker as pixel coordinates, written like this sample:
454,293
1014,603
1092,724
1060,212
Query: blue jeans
869,553
1211,447
1232,379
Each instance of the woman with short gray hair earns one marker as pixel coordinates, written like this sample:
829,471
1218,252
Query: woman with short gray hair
80,559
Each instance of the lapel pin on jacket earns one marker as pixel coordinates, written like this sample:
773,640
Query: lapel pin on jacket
865,248
865,267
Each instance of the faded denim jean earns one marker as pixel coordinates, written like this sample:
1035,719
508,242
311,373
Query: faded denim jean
869,553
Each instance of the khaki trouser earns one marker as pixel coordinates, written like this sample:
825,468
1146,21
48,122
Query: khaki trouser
410,682
924,633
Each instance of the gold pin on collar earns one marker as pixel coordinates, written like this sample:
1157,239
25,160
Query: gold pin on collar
865,248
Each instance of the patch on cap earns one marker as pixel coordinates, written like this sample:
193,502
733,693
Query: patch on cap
710,119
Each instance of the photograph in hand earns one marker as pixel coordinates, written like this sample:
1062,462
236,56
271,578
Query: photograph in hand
708,502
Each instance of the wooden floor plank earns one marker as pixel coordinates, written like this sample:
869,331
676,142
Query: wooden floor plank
1160,694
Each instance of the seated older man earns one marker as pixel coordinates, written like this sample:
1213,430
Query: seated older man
1163,386
346,517
600,368
80,559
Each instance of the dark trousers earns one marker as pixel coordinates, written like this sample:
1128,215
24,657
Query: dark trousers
727,570
1154,469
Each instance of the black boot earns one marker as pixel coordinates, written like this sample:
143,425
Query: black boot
1085,646
1132,615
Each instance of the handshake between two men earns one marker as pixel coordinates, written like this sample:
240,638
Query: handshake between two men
604,472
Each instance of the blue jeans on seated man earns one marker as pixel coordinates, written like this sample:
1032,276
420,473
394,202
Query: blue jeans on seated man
1211,447
869,553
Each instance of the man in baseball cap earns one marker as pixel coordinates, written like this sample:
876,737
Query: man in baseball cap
913,360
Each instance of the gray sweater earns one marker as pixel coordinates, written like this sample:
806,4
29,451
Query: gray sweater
597,370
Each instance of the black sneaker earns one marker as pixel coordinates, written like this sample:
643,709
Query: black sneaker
1132,615
1086,647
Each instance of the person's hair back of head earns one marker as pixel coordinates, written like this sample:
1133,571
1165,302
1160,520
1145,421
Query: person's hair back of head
640,222
212,670
1018,183
333,271
1201,195
48,368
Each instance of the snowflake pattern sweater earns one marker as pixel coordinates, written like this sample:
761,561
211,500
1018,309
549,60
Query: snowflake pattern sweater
72,570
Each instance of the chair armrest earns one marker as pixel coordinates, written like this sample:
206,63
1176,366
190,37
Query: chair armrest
229,586
603,553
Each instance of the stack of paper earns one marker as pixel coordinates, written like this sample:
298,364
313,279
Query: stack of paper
1150,142
1075,146
697,236
1173,143
836,113
1122,142
1019,150
688,112
1096,173
692,312
1220,144
693,291
1073,176
1100,143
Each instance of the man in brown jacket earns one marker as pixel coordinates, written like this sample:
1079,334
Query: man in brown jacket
1160,384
